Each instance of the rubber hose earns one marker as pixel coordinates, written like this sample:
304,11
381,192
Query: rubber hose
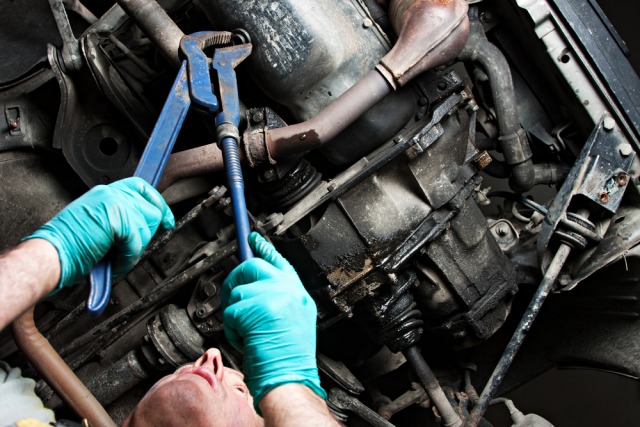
56,372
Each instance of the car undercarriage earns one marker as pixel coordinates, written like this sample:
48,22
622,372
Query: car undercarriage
434,170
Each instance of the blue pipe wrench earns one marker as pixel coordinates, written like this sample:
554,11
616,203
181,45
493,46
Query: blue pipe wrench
193,84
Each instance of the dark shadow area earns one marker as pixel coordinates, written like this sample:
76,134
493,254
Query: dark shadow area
568,398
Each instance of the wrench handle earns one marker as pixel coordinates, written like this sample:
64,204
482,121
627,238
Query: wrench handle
150,167
235,182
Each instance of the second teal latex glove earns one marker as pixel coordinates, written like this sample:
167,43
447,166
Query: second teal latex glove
125,214
269,315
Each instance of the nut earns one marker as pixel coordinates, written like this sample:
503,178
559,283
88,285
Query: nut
609,123
603,196
622,179
625,149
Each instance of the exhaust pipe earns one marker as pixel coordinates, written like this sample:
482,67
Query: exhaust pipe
431,33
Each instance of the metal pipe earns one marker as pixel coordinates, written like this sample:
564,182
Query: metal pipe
305,136
491,388
432,32
193,162
56,372
157,25
431,385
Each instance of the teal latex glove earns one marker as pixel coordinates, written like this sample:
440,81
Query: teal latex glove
125,214
269,315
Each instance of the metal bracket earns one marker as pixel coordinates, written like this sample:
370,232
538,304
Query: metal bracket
599,178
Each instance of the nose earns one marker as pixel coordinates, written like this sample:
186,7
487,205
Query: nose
211,360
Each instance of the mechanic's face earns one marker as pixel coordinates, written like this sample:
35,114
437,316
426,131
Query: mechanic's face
203,394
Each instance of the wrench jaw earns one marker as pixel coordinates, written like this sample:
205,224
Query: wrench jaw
225,60
192,49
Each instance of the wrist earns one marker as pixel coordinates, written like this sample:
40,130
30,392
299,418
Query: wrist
45,255
51,248
264,386
295,405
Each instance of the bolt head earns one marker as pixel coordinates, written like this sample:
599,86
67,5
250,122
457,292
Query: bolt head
609,123
502,230
603,197
366,23
625,149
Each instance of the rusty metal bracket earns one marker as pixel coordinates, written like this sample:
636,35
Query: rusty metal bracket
598,179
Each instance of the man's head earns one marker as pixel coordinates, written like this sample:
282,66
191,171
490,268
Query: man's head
203,394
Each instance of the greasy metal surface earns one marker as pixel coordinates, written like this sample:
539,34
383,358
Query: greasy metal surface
344,401
182,332
157,25
113,85
593,175
369,165
118,378
89,131
339,373
297,61
167,288
71,57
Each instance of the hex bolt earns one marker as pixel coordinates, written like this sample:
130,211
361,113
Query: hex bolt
471,106
625,149
502,230
603,196
209,289
366,23
609,123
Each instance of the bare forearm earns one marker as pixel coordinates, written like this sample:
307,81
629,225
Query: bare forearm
27,274
295,405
